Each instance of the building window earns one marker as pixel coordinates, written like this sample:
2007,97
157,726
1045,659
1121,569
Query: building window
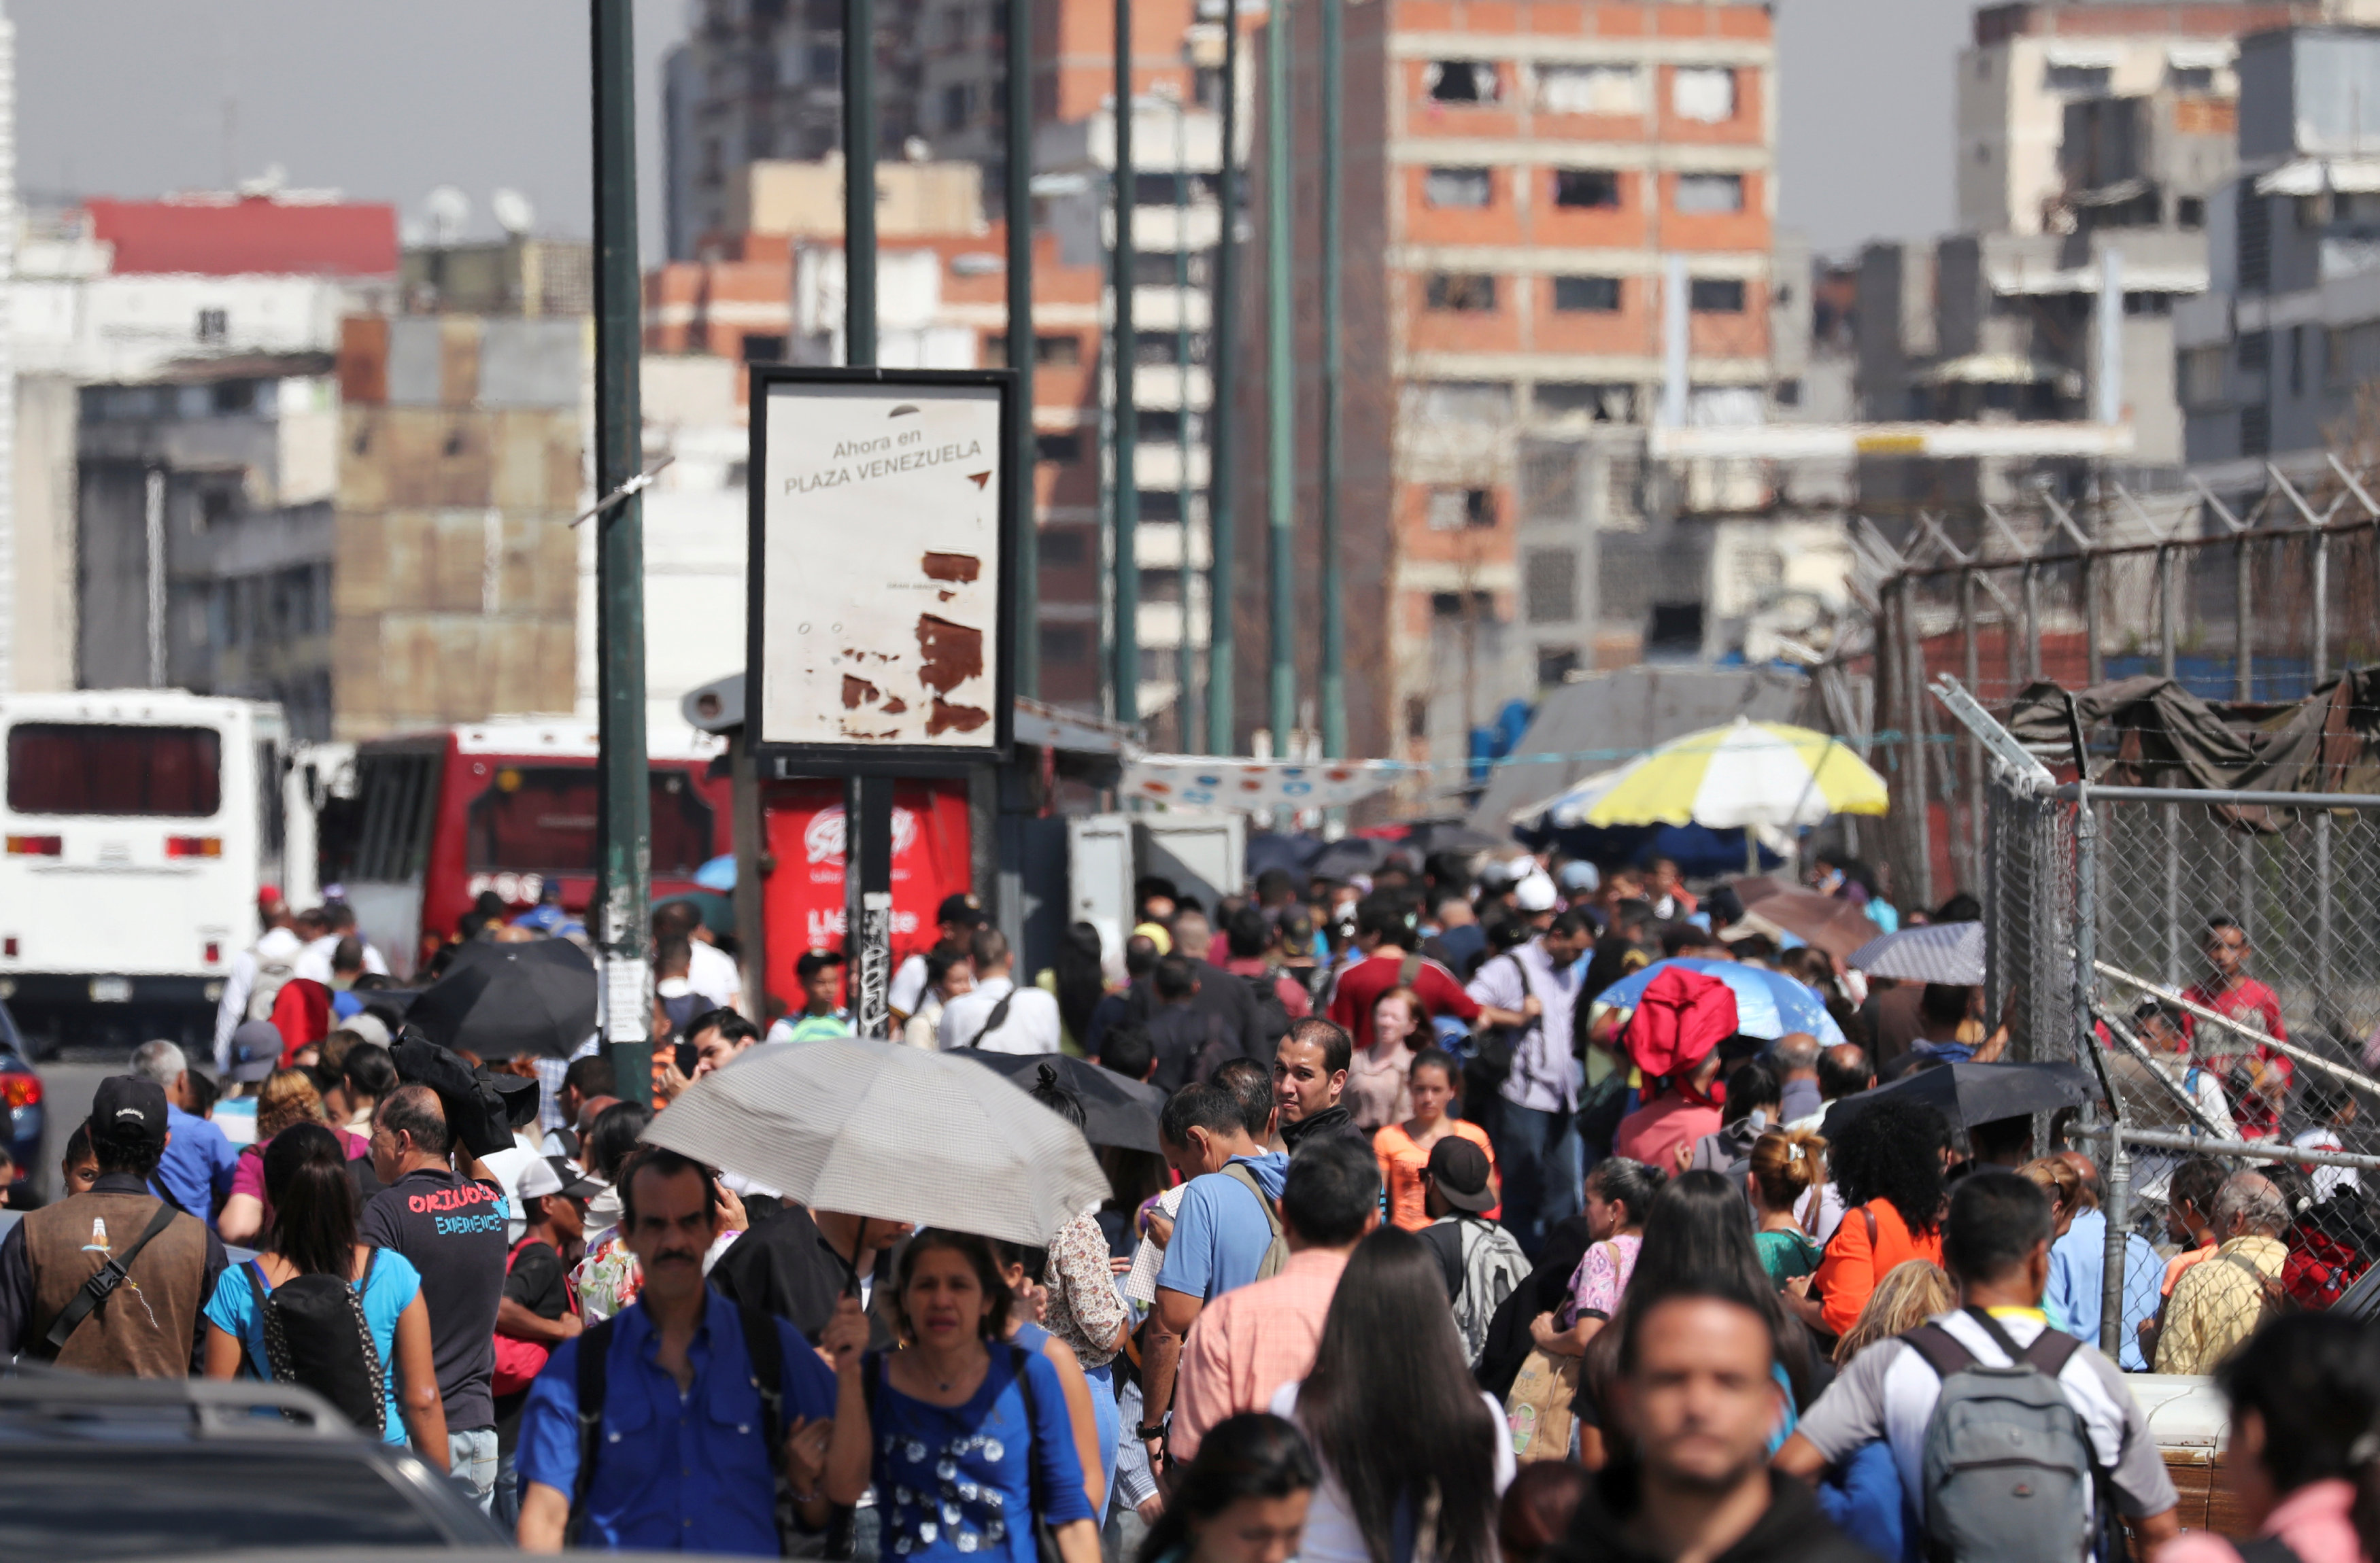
763,348
2199,80
1600,295
1675,627
1065,643
1710,192
825,62
1705,94
1470,292
1457,187
2255,430
214,325
958,104
2148,303
1555,664
1164,268
1059,450
1472,402
1596,187
1459,510
2296,360
2255,350
2189,211
1549,586
1789,392
216,507
1604,404
1063,351
1159,504
2081,81
1416,717
1160,426
234,397
1590,89
1460,81
1065,546
1458,604
1715,295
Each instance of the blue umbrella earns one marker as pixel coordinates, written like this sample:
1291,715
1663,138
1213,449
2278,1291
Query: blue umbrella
719,873
1767,1004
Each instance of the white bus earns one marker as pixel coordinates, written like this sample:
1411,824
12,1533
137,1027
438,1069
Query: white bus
139,826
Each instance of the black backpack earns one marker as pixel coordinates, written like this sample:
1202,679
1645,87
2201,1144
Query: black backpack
1272,1016
316,1336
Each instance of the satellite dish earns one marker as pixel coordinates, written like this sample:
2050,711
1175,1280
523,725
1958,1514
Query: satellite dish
513,212
449,210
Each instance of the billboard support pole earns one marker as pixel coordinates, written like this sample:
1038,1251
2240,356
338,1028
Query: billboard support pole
625,806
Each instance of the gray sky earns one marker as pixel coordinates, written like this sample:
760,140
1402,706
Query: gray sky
389,101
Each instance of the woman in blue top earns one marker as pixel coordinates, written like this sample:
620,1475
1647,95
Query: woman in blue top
964,1435
313,1233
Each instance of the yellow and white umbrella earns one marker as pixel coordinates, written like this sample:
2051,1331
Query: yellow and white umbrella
1762,774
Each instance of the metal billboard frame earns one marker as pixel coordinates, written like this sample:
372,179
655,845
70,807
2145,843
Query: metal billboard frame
782,761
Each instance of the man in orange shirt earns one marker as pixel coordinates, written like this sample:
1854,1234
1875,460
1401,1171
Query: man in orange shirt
1252,1339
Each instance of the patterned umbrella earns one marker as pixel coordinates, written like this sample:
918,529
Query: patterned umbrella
1951,953
870,1129
1746,773
1767,1003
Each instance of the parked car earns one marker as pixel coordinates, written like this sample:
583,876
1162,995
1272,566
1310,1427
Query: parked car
94,1468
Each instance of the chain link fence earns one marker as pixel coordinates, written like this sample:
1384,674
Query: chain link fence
2213,958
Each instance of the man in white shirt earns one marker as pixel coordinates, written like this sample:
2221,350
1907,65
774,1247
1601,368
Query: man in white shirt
339,918
1537,1137
1996,1244
274,958
999,1016
710,971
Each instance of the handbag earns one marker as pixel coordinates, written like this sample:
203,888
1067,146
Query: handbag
1540,1410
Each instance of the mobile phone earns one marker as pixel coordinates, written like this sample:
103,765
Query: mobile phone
687,1057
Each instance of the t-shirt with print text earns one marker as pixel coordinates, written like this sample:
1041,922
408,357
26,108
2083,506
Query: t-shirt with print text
452,1230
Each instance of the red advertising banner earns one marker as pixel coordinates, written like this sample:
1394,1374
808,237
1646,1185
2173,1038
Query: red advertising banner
803,895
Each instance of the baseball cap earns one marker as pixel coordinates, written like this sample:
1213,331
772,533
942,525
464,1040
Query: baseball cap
1535,893
553,1175
1460,1170
961,908
128,1106
255,1052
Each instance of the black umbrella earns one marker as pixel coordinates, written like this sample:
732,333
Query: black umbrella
500,1000
1348,856
1969,1094
1116,1111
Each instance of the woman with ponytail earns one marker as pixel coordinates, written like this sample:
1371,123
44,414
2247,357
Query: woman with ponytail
2304,1458
1786,1164
1242,1500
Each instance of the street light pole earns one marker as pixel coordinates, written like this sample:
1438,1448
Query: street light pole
1127,433
624,809
1334,627
1279,380
1021,344
1223,638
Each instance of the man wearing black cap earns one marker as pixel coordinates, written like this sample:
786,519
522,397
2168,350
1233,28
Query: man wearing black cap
959,915
143,1316
1483,1262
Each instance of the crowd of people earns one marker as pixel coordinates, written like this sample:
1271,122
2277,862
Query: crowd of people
1451,1254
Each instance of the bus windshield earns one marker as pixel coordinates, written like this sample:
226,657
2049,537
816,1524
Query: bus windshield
541,819
75,768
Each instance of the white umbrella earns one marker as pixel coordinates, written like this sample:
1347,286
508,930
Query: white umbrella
1951,952
869,1128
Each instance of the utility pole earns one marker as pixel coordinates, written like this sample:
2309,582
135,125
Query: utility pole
1186,709
624,809
1127,433
1022,346
1222,639
1334,627
866,800
1281,382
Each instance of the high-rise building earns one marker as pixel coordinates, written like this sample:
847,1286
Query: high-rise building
1520,179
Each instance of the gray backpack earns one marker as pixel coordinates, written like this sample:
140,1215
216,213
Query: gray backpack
2007,1471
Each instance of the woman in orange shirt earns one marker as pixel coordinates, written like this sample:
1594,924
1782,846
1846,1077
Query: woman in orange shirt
1888,1164
1404,1148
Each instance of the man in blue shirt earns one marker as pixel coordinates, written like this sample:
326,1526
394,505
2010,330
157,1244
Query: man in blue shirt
681,1458
197,1170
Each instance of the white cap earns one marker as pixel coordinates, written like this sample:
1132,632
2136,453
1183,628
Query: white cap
538,1179
1535,893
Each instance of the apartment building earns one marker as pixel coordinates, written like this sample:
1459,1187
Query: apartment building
1519,177
2028,62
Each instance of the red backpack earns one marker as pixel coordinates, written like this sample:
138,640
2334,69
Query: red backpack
1681,1016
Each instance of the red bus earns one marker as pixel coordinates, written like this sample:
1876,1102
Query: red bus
508,805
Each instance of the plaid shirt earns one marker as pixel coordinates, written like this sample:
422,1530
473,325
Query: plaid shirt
2216,1305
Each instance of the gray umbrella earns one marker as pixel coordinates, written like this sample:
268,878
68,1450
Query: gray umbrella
1951,952
869,1128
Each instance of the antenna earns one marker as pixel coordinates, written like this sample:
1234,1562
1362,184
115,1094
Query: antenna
449,210
513,212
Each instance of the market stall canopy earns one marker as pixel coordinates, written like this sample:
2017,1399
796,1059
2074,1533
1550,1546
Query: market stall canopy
1747,774
1212,781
